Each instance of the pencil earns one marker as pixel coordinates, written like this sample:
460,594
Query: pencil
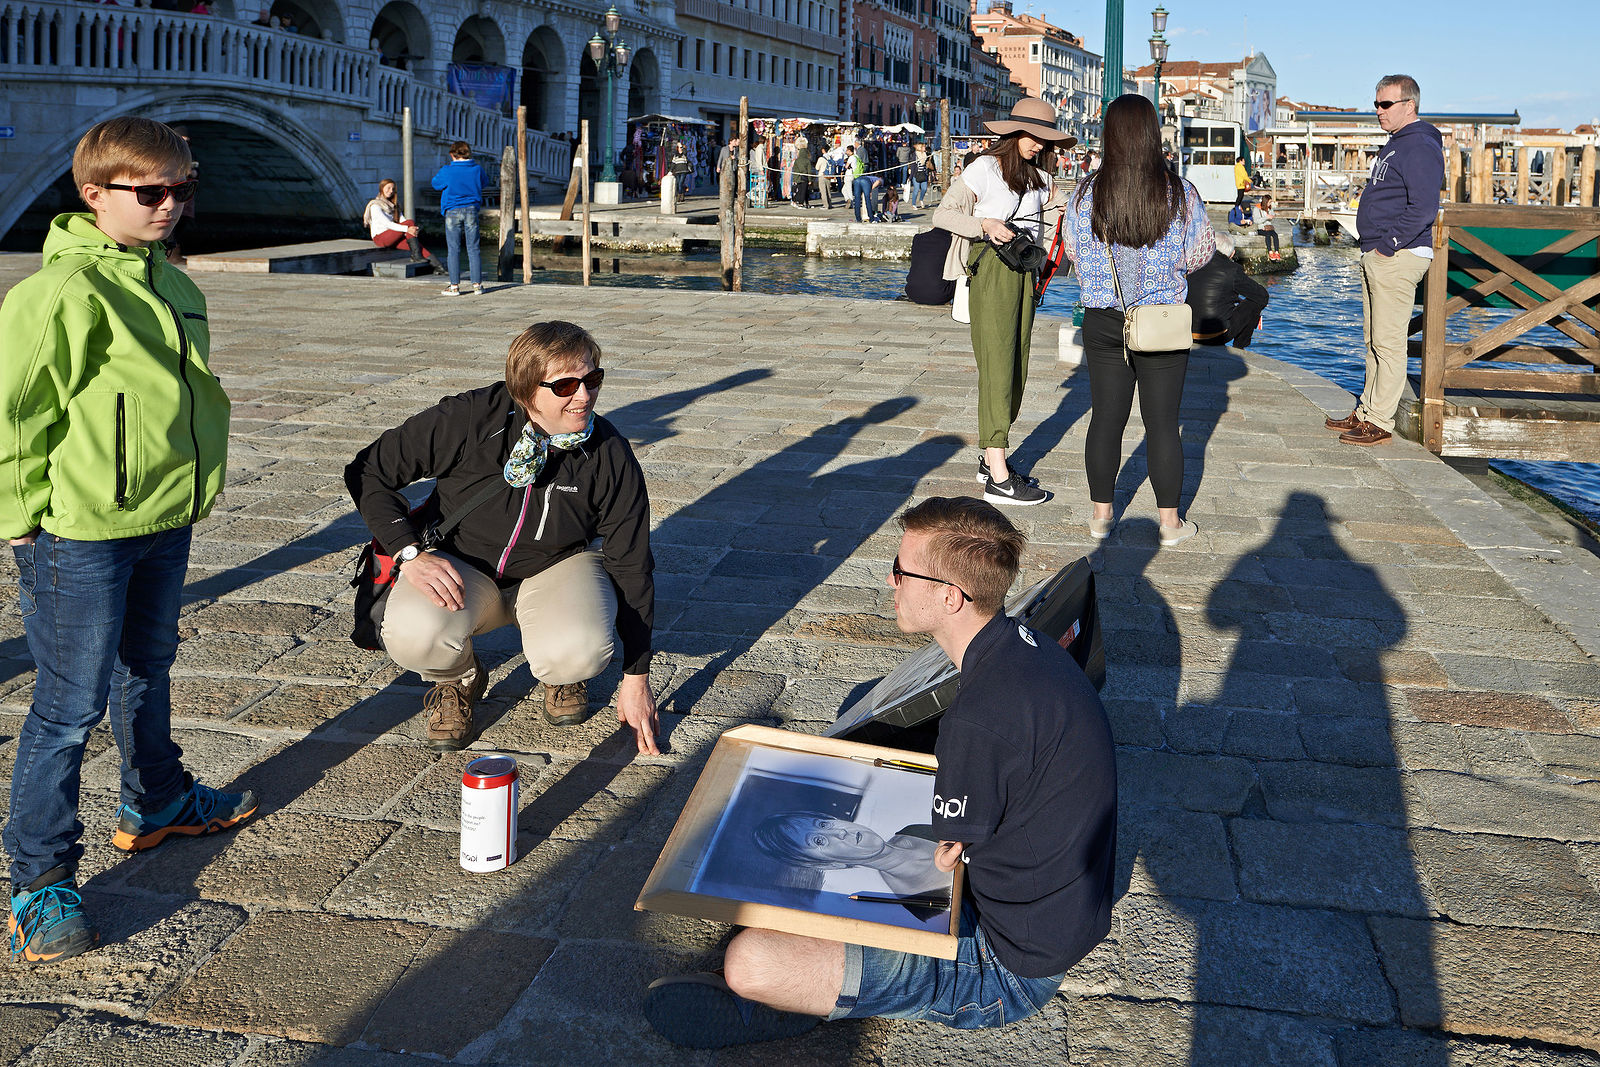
915,902
897,764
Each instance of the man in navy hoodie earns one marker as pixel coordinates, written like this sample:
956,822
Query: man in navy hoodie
461,183
1395,221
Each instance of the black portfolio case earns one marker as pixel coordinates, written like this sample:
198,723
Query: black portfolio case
903,709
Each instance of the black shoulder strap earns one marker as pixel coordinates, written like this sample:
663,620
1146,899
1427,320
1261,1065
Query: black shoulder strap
436,534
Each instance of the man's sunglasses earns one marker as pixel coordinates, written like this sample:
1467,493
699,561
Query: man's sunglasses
899,574
153,195
568,386
1385,105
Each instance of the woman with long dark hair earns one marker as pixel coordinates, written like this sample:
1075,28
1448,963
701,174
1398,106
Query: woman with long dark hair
1134,212
1011,186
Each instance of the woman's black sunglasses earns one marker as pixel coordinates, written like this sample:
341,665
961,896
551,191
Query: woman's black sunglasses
153,195
568,386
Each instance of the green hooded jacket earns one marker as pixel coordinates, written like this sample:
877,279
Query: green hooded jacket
116,426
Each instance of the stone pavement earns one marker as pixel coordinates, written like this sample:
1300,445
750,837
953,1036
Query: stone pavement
1358,717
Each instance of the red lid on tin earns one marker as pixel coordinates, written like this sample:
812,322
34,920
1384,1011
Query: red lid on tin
489,772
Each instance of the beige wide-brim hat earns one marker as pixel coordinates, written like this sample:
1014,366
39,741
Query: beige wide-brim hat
1035,118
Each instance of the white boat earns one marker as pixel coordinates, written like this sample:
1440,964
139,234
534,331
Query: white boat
1346,218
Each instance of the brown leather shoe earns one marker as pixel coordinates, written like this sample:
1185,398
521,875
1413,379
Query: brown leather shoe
1349,422
1365,433
449,708
566,705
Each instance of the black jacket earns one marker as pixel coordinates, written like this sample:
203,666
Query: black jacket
925,281
596,490
1227,303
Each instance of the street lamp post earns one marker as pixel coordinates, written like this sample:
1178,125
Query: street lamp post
924,108
1158,47
610,55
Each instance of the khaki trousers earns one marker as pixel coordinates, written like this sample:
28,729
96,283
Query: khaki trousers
1388,295
565,615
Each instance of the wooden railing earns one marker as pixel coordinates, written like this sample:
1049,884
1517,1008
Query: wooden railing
1545,262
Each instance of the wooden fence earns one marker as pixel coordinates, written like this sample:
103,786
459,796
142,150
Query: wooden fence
1508,400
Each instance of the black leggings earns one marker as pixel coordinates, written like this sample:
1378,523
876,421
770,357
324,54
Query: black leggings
1158,376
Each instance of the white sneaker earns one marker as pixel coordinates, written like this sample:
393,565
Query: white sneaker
477,288
450,290
1176,535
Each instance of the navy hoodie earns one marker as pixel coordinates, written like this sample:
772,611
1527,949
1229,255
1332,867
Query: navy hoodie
1402,199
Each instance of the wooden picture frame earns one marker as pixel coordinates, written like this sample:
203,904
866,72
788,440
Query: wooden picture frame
742,849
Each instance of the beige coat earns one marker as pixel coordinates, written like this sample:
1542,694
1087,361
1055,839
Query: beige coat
954,213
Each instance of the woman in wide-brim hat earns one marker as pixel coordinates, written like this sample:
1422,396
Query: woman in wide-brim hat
1009,192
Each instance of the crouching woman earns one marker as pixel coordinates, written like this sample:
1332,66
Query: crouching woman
559,547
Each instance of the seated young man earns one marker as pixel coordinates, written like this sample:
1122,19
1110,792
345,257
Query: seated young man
1026,796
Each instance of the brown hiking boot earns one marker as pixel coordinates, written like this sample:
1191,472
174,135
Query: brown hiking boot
449,708
566,705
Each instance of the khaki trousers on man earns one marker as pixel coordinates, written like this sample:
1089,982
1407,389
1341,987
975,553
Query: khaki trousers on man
1388,295
565,614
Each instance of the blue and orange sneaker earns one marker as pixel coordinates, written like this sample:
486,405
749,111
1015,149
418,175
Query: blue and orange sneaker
200,810
47,919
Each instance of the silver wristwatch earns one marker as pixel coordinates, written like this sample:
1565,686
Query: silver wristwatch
407,554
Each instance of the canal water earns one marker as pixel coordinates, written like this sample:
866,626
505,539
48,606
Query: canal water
1313,321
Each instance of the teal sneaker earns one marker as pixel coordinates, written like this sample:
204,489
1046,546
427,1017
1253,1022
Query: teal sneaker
47,920
200,810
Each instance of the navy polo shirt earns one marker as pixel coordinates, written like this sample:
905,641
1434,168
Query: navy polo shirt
1028,778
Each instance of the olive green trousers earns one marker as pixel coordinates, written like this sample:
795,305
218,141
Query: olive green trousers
1002,327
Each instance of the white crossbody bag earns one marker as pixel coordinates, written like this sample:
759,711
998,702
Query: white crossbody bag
1153,327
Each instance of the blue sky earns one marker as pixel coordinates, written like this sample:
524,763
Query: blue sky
1536,57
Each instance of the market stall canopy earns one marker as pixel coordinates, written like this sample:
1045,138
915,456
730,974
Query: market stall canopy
676,120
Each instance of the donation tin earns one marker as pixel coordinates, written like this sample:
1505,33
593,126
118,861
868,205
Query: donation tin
489,791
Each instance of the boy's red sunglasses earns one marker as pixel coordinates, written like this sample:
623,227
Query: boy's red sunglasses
153,195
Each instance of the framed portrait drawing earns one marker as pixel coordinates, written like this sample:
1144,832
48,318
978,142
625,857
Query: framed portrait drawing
815,836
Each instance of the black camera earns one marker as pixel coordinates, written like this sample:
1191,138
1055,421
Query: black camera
1022,253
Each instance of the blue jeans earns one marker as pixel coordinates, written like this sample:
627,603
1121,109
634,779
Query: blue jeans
101,619
974,991
919,192
461,223
861,188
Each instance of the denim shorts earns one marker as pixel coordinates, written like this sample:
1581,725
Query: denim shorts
974,991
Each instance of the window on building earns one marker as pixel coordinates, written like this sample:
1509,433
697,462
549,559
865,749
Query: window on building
1033,51
680,53
716,57
761,66
699,54
747,64
786,80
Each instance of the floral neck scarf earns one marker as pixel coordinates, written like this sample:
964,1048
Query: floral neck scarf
528,454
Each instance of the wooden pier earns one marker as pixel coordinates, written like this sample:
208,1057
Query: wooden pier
1491,392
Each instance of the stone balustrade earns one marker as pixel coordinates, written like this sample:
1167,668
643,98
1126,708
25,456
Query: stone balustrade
121,46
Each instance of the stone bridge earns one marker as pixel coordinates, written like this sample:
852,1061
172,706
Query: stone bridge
300,123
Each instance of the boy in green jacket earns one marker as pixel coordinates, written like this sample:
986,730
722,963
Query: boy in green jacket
115,445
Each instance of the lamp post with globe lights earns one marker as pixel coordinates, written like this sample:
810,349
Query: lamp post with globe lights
610,54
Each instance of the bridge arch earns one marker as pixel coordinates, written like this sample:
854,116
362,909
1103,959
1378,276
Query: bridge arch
543,83
319,19
479,39
644,83
293,168
401,35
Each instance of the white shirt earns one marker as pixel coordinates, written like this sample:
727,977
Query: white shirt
997,201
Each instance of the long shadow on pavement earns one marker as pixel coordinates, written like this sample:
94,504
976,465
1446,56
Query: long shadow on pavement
1263,842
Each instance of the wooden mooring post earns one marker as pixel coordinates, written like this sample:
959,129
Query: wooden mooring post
505,264
522,194
583,161
740,199
1543,263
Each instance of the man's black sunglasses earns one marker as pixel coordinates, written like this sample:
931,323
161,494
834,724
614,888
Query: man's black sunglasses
899,574
1385,105
153,195
568,386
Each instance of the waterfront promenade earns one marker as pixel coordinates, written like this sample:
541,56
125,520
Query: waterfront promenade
1358,717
